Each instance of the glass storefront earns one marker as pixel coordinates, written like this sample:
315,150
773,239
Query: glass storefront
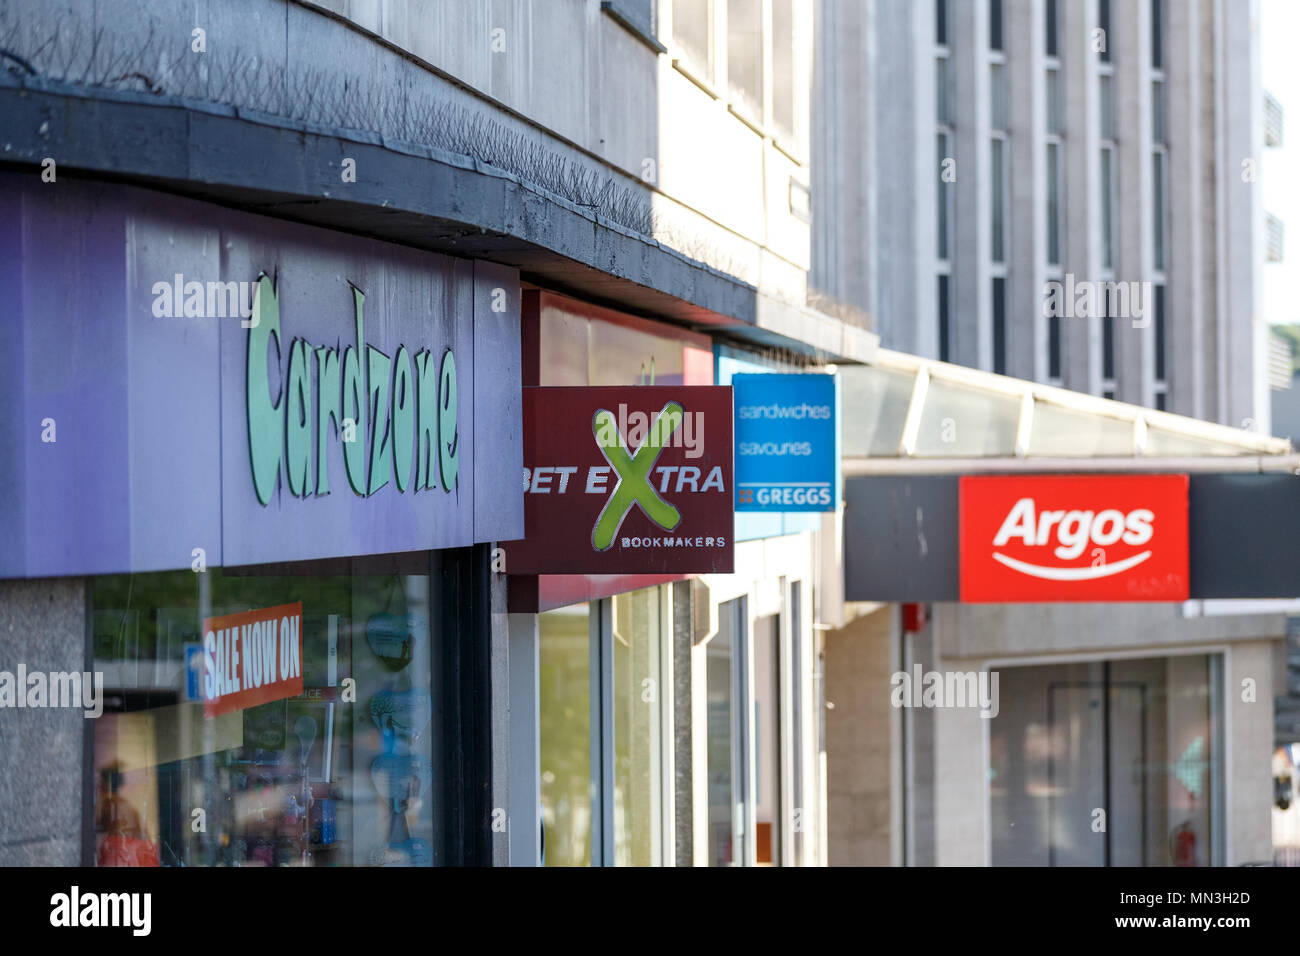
611,765
642,744
606,744
564,690
727,749
1108,763
343,773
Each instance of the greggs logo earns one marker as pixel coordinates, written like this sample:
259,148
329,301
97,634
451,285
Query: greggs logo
1074,538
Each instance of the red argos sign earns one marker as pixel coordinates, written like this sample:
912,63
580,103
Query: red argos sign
1074,538
626,480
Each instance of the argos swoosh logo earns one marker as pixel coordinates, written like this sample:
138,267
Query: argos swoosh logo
1072,574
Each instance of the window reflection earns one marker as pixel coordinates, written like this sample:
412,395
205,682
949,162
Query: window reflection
340,774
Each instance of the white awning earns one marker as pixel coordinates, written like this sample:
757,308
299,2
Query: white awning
907,415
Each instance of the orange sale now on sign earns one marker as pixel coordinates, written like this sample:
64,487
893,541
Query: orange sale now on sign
251,658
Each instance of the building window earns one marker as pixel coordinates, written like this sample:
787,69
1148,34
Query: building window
941,90
1158,111
745,55
941,22
995,24
1157,34
1054,348
1161,345
1103,23
692,32
998,95
1054,203
941,200
1107,207
1106,101
1274,238
783,99
997,173
1000,326
1052,31
1108,345
1158,208
945,321
1160,401
1053,101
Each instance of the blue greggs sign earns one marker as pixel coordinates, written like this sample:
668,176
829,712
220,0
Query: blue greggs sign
787,442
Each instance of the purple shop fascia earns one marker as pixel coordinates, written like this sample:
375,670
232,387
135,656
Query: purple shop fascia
393,368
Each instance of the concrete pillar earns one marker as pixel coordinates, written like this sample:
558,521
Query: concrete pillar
1186,243
972,335
1081,213
861,735
1025,29
46,792
525,745
1130,41
1249,753
960,782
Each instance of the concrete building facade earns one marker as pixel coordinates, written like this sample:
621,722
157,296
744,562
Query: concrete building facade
1002,146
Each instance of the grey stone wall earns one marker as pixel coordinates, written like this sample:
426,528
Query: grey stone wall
44,789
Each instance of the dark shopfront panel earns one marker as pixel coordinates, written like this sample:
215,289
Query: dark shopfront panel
901,538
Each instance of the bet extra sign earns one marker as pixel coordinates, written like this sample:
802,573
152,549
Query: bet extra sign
626,480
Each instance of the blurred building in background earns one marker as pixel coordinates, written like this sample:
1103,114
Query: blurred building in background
988,149
1057,195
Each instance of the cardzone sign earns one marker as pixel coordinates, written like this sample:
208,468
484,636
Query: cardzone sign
251,658
626,480
1074,538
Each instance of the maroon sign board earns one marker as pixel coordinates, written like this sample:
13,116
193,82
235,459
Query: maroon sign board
626,480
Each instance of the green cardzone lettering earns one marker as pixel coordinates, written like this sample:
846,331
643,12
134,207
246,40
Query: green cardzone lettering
406,404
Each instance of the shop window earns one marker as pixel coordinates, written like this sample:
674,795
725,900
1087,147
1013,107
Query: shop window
804,814
580,344
564,706
338,773
945,321
641,740
726,738
768,811
606,746
1135,740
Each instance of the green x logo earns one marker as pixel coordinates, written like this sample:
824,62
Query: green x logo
633,472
